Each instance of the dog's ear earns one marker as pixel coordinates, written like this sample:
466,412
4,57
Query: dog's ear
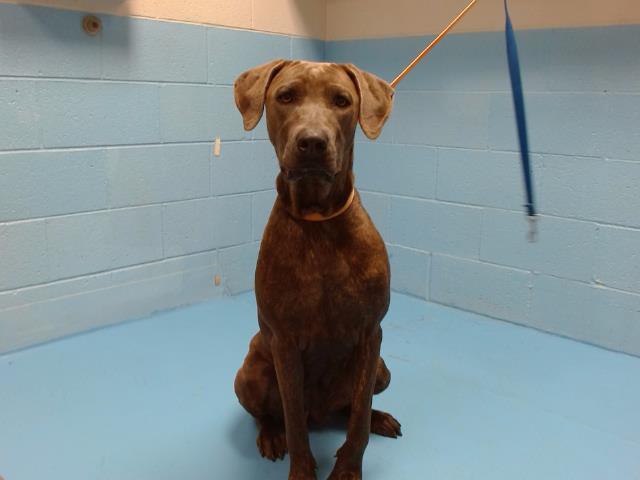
250,89
376,100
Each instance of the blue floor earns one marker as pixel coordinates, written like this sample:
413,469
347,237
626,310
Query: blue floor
477,398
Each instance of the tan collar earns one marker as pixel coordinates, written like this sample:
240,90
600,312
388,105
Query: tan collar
317,217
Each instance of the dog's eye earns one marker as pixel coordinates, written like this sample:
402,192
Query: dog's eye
285,97
341,101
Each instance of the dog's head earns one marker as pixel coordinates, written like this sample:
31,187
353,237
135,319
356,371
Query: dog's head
312,113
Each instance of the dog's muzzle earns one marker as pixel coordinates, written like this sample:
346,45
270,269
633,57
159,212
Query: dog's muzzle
294,175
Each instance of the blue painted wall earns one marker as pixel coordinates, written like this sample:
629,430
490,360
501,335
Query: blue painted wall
112,204
444,182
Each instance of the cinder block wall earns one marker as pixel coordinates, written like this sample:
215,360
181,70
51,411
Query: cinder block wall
444,181
112,204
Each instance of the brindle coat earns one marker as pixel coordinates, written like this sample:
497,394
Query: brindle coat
322,288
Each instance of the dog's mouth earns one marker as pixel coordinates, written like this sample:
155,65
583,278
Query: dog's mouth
296,174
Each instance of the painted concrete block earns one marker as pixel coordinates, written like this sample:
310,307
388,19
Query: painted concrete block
200,225
23,257
21,296
137,49
46,42
573,186
188,227
167,266
232,220
492,290
617,262
580,59
44,183
409,271
186,113
74,287
483,68
591,313
618,138
621,203
94,242
231,52
449,119
97,113
436,227
560,123
570,59
307,49
19,121
238,267
591,188
261,206
565,248
481,177
244,167
90,309
399,169
197,113
378,206
144,175
586,103
234,157
228,121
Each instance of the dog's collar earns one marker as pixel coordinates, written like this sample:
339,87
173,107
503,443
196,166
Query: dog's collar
317,217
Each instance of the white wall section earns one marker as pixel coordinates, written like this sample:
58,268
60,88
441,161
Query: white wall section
349,19
292,17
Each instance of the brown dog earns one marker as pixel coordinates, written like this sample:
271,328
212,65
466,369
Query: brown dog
322,279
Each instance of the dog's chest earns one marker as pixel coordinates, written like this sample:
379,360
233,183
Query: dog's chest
321,283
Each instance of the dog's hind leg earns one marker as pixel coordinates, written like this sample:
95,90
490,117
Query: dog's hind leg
383,423
383,377
257,389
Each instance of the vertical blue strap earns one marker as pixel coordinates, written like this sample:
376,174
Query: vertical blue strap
518,102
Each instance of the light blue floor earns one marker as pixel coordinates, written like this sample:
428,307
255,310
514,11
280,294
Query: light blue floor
477,398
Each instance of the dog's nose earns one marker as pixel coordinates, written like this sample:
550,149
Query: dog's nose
312,144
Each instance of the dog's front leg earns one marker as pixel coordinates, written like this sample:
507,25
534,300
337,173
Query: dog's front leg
288,362
349,463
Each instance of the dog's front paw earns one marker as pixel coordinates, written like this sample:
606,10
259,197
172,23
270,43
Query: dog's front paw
303,469
348,464
346,467
302,475
339,473
272,442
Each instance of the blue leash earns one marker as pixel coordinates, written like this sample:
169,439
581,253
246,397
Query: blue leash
518,103
521,121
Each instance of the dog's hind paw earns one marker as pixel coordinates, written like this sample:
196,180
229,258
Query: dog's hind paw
384,424
272,442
